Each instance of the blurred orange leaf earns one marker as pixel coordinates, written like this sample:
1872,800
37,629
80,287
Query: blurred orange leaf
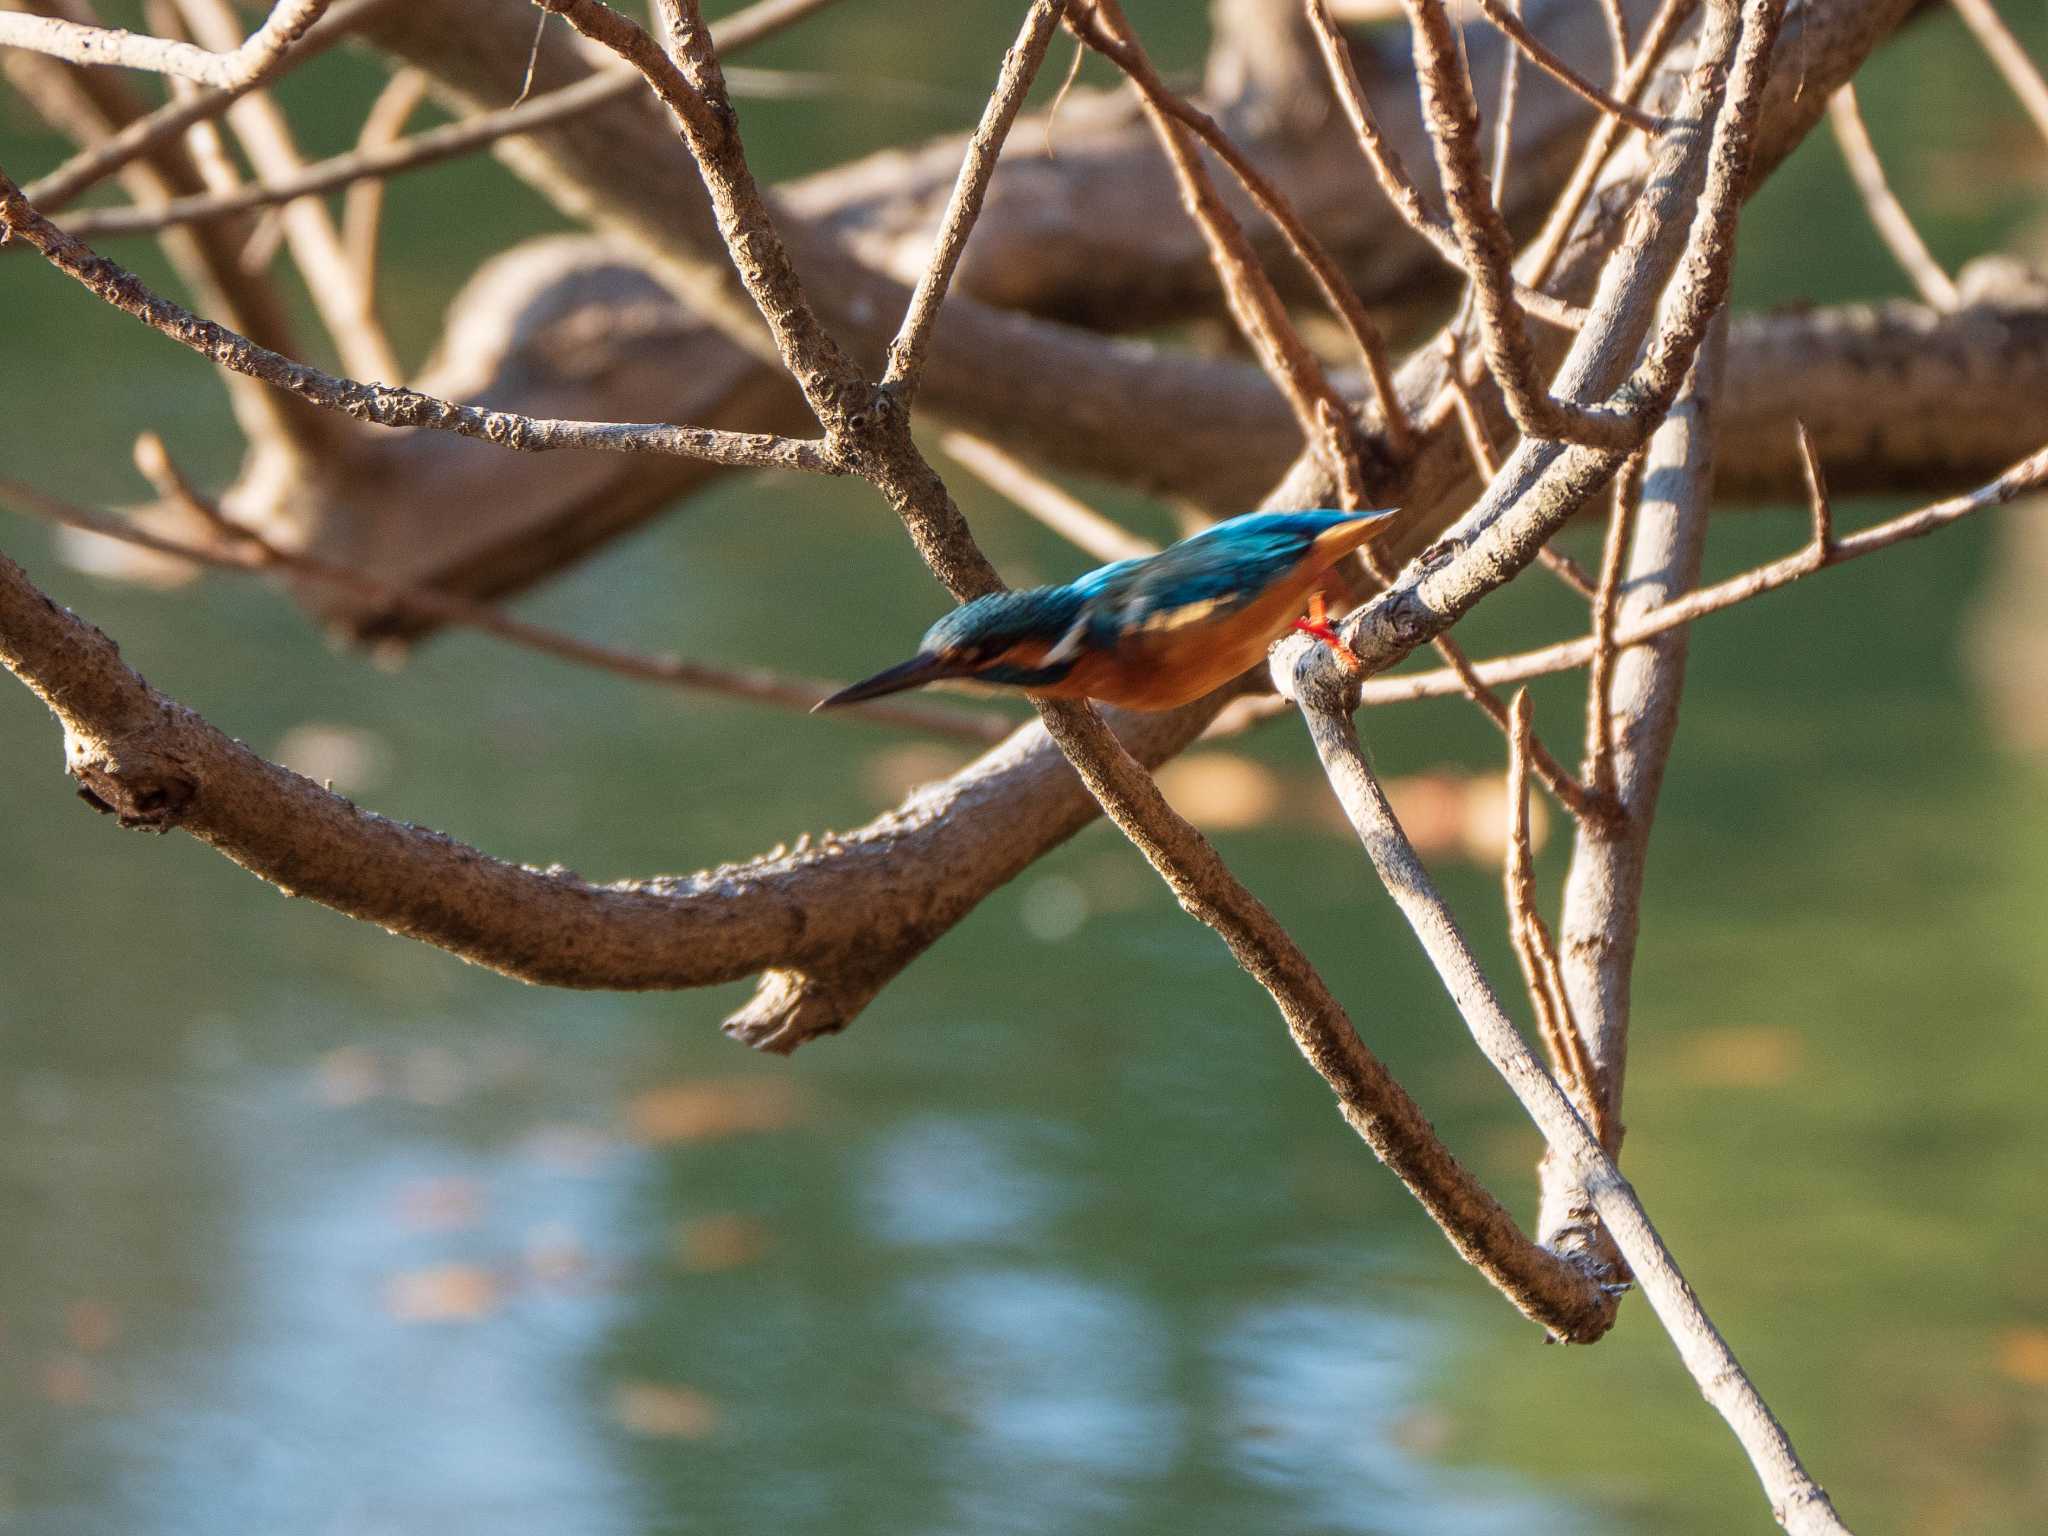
1740,1056
712,1108
2023,1356
65,1380
726,1241
91,1326
665,1412
1221,791
442,1293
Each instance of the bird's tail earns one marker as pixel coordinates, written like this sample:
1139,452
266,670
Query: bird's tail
1333,544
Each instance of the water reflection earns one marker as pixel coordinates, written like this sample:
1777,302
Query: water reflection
1323,1408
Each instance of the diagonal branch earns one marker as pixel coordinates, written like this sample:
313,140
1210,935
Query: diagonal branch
1637,403
2020,72
2022,479
1392,172
1020,67
1110,35
1558,1295
1796,1500
241,549
1551,64
1887,214
1326,420
384,405
362,164
79,44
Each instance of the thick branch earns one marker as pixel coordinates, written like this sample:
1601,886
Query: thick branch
835,919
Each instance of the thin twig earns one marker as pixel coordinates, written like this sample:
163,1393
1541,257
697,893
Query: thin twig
1563,217
1068,516
1581,800
243,549
1816,496
2030,474
1617,34
1534,948
362,210
692,86
94,164
57,190
1552,65
267,138
1261,316
110,46
369,163
1797,1501
1393,175
1887,214
1503,129
2010,58
1621,523
386,406
1452,118
1020,67
377,158
1314,256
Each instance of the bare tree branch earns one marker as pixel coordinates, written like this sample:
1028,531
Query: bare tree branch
387,407
1020,67
1563,73
1073,520
240,549
1392,172
2020,72
1113,38
2025,477
1255,305
1887,214
362,211
367,164
1796,1500
225,70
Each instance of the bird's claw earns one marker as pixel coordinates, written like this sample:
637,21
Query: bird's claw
1322,631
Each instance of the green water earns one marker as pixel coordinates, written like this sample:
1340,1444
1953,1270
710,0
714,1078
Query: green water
312,1229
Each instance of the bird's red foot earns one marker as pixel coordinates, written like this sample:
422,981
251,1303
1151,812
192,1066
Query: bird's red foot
1317,624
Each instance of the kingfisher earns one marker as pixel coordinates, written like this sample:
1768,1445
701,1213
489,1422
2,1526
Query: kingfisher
1151,633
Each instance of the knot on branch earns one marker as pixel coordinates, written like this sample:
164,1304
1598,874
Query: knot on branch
144,789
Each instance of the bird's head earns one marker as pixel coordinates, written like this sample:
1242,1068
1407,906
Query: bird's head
1022,638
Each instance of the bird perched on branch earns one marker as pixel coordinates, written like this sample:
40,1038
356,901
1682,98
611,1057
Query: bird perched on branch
1150,633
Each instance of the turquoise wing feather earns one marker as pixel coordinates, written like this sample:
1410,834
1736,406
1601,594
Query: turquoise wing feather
1224,568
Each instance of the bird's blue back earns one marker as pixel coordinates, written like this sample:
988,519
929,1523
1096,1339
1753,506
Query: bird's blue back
1229,564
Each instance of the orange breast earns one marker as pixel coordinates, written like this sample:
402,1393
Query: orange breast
1185,654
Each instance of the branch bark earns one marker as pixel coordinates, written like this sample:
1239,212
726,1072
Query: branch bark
1797,1502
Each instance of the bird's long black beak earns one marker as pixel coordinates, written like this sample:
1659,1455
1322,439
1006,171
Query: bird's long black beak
914,673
